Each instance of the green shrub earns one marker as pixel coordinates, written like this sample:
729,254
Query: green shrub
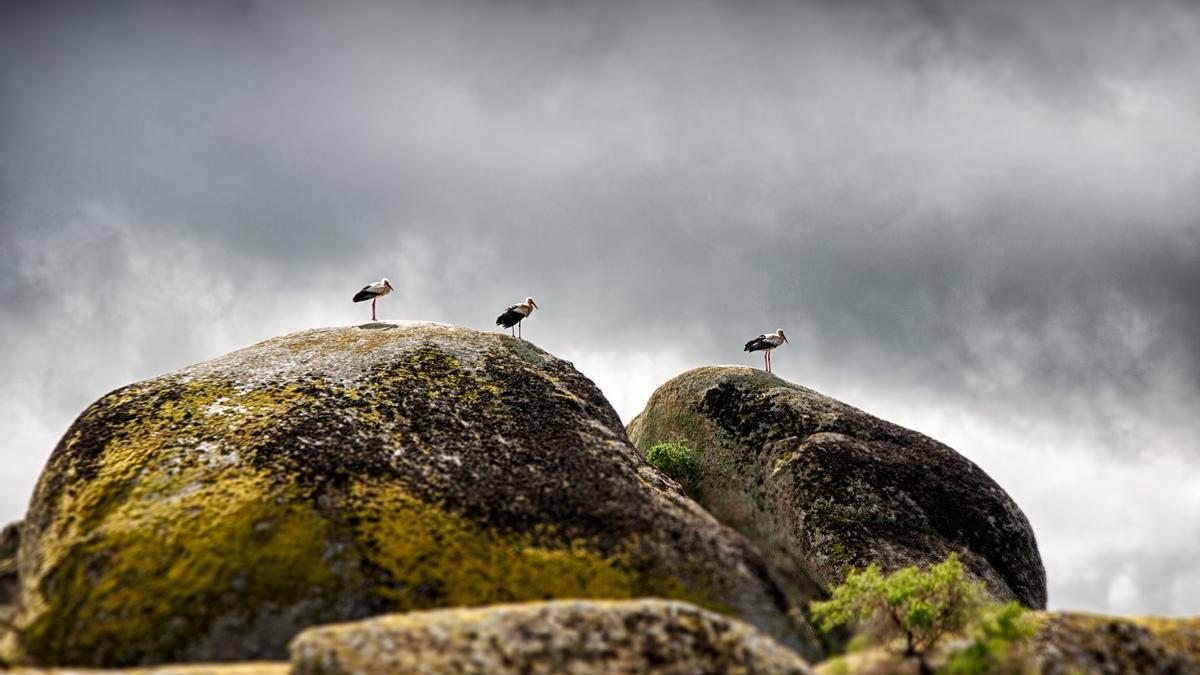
913,610
997,644
674,459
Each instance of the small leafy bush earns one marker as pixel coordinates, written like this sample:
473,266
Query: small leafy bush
674,459
998,643
913,610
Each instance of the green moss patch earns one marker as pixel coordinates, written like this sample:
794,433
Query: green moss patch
674,459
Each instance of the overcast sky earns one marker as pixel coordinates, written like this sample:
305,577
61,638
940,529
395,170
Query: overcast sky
979,220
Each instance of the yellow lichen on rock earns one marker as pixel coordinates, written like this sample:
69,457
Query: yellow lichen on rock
152,575
435,558
1180,635
1071,642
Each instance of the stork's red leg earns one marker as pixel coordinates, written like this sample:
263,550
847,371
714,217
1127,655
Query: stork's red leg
373,308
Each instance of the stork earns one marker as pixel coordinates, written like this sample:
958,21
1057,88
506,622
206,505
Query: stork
515,314
765,343
374,292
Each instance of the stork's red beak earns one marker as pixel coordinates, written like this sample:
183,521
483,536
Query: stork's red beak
534,304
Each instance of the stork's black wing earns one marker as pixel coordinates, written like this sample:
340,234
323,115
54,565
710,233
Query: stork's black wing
757,344
510,317
365,294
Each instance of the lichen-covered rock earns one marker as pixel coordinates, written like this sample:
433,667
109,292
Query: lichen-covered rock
339,473
566,636
10,541
249,668
823,487
1071,642
1066,643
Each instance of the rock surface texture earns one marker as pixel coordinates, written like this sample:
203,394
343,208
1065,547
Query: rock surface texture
581,637
1066,643
334,474
1087,643
10,542
823,487
250,668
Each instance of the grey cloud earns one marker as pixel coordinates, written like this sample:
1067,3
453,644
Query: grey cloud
989,207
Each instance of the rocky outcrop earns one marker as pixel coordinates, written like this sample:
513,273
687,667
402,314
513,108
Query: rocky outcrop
1066,643
251,668
334,474
634,636
823,487
10,542
1072,642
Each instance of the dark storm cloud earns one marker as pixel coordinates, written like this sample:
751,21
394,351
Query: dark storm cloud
990,208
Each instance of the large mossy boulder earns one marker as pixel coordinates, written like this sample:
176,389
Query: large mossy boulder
334,474
566,636
823,487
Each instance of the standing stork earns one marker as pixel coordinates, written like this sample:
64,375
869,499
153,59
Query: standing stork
515,314
765,343
374,292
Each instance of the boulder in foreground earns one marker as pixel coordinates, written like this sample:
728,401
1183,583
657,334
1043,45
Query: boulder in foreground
1073,642
246,668
567,636
823,487
1066,643
334,474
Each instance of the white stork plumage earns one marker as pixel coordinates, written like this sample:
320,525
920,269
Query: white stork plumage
514,315
374,292
765,343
